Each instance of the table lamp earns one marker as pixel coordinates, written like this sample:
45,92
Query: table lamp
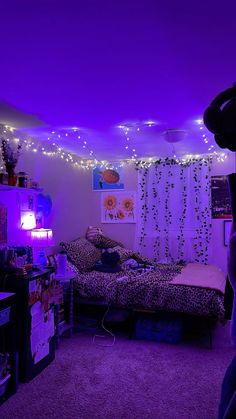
40,239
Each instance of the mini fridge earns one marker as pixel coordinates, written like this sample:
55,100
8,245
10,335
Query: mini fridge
35,328
8,351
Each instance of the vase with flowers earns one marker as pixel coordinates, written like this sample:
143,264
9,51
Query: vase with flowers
10,155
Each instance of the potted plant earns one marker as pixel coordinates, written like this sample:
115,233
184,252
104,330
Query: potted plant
10,157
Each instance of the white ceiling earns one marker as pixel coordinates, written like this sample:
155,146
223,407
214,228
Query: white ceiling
95,64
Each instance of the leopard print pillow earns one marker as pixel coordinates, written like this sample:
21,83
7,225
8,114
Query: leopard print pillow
124,253
104,242
82,254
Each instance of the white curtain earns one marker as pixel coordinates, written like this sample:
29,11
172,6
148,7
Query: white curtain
174,211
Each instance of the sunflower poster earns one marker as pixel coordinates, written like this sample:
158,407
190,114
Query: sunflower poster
118,207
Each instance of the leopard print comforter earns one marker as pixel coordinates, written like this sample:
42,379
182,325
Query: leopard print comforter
150,290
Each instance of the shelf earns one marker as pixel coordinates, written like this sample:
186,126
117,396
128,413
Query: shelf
7,188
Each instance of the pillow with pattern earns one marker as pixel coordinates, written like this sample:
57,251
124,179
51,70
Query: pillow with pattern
93,231
82,253
104,242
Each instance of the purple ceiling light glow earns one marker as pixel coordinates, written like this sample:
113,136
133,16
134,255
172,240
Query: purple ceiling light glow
93,64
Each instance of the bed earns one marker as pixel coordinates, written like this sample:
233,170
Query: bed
155,290
190,288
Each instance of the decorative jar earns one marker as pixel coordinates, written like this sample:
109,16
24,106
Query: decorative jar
3,178
12,177
22,180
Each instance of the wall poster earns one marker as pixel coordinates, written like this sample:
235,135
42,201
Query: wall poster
118,207
220,197
105,178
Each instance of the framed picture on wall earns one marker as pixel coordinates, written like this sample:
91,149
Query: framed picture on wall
227,229
220,198
27,201
118,207
108,178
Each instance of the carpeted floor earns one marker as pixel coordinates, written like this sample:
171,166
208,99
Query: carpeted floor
132,379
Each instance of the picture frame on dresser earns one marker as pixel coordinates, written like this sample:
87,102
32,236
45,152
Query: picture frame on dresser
52,261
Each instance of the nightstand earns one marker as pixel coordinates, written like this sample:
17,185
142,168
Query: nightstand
63,326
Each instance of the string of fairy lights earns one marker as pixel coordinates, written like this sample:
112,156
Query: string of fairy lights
222,156
130,131
51,147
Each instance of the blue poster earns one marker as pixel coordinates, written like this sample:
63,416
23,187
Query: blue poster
105,178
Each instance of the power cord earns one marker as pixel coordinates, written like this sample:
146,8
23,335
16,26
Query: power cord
106,330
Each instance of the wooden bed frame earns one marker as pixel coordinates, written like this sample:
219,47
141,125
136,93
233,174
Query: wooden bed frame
133,313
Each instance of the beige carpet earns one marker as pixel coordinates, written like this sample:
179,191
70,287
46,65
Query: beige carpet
132,379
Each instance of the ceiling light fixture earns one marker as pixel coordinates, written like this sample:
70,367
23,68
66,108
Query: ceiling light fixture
174,135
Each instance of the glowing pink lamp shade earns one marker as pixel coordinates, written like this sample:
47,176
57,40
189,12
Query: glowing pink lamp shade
41,236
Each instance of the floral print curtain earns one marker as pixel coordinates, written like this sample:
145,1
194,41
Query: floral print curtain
174,210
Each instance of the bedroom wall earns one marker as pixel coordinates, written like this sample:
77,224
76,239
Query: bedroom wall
76,205
68,188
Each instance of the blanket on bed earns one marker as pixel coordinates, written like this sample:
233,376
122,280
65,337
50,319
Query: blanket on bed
150,290
205,276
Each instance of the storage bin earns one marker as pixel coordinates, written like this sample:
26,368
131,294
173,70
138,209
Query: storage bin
160,330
